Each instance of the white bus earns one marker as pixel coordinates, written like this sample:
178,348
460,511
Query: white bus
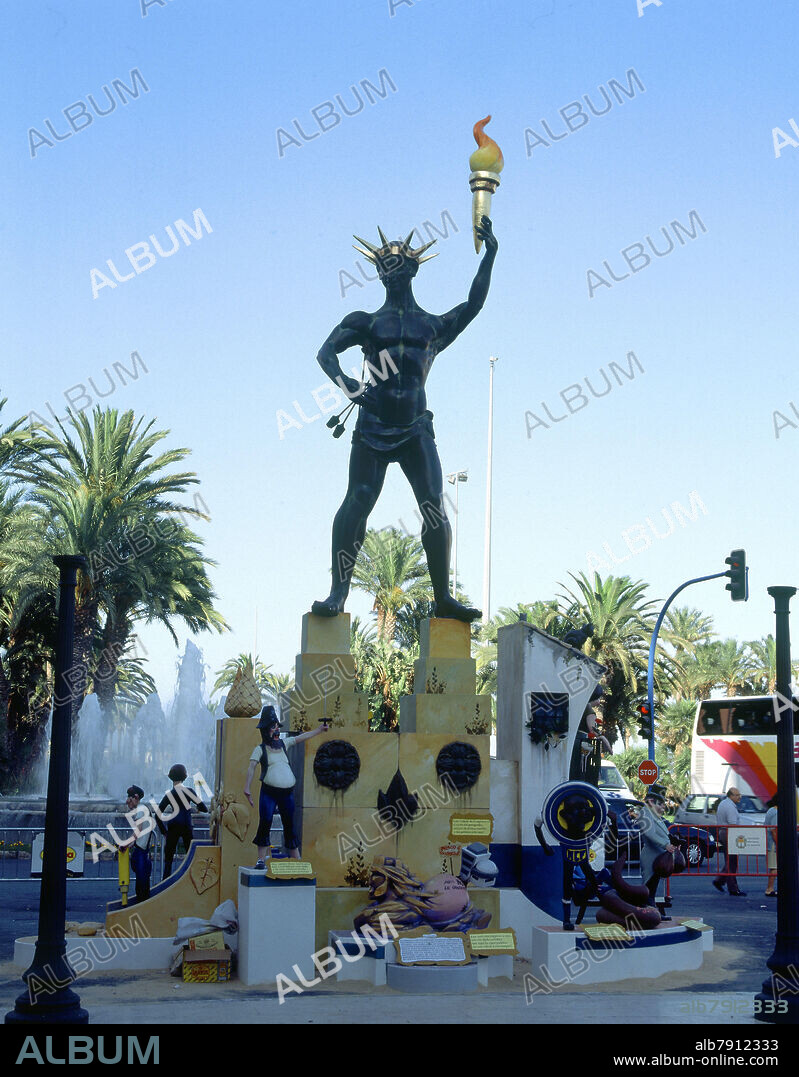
735,744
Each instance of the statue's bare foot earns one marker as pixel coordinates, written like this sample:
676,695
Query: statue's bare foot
332,606
449,607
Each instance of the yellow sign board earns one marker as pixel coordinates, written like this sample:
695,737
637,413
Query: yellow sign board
290,869
487,943
607,933
465,827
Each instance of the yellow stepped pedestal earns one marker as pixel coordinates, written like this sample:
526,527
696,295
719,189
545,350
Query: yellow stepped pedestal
444,699
435,675
325,635
441,637
324,674
236,739
336,799
456,713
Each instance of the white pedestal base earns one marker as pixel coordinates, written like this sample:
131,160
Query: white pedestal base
99,953
370,966
276,927
561,957
433,979
495,965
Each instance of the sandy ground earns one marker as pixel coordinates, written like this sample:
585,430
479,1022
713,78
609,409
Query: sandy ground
156,998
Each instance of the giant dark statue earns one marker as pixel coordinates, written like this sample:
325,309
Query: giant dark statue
393,424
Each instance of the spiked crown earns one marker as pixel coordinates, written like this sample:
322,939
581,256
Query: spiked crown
389,250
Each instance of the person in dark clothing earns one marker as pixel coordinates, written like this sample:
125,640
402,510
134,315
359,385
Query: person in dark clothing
140,862
177,826
277,783
586,760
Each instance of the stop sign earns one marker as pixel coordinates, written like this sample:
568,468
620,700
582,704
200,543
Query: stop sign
648,772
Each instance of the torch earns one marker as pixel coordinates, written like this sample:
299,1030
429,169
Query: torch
486,163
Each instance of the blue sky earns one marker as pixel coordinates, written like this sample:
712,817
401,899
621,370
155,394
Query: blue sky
229,326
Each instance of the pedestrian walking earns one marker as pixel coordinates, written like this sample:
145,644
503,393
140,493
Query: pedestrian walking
770,823
727,816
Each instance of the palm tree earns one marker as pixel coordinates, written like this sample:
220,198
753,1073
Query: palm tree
408,625
684,628
675,725
15,445
99,488
622,620
391,568
15,442
724,664
168,580
278,683
764,664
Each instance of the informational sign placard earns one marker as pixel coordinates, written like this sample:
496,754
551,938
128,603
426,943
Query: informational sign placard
75,844
747,840
466,827
424,947
290,869
607,933
452,849
486,943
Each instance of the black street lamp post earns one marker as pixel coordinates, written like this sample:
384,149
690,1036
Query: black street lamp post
779,998
48,998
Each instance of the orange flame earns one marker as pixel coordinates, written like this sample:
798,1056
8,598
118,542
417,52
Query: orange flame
488,156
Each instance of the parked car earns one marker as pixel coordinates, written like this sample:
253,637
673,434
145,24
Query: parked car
700,809
622,836
611,781
697,844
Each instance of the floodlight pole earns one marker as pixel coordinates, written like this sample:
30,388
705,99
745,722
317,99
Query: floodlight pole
456,479
779,997
47,998
487,554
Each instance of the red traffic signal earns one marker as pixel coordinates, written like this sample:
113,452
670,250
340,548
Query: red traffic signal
738,585
646,722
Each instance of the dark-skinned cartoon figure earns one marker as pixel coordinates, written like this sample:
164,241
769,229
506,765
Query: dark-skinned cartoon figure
576,814
399,342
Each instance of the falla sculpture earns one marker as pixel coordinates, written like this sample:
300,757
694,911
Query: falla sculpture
399,342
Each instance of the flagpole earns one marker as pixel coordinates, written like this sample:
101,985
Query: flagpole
487,554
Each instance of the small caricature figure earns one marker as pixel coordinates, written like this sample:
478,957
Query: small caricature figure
177,826
277,783
140,862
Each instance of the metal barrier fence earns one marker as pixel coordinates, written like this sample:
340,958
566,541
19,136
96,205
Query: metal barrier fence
705,847
17,845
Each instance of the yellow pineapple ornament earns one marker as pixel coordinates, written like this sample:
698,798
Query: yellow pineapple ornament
244,697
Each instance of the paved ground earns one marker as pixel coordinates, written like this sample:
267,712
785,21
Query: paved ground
720,993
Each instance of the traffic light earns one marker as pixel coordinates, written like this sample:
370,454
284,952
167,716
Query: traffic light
738,585
646,722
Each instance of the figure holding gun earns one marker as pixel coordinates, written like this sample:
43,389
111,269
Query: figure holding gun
277,783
